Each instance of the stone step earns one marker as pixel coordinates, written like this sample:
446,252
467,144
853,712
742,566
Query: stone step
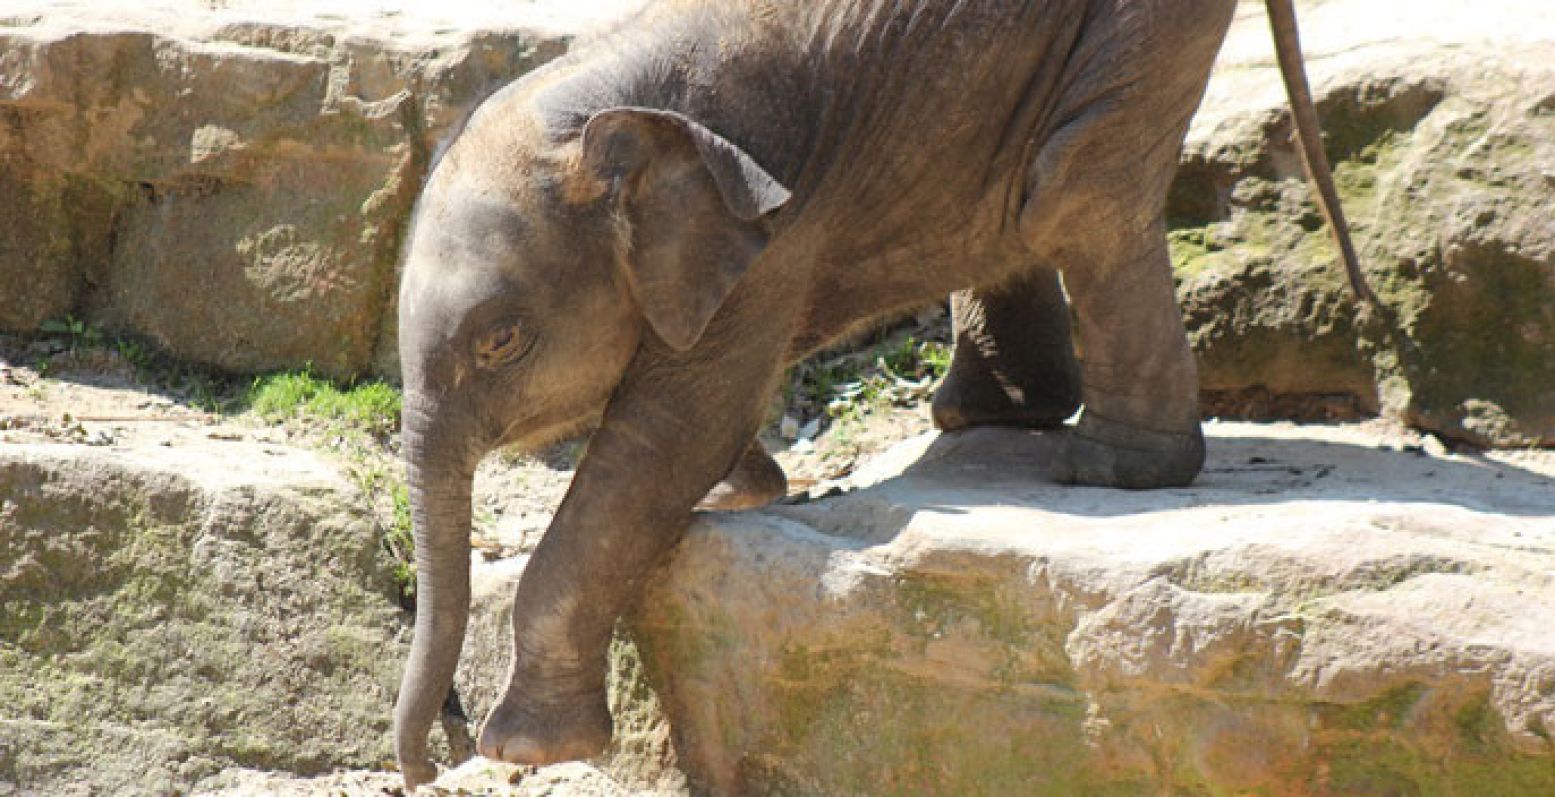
1320,613
167,613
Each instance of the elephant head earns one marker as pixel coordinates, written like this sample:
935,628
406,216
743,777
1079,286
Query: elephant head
543,268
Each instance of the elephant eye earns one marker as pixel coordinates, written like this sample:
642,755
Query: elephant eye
501,346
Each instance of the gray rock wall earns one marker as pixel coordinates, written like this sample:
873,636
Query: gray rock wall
236,194
1440,119
168,613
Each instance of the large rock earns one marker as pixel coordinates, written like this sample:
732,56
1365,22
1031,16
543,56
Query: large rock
1319,614
169,612
233,180
1440,117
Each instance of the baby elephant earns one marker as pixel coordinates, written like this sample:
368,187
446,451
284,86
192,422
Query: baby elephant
639,237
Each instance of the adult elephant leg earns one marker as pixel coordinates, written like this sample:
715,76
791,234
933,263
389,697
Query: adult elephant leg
1013,362
677,425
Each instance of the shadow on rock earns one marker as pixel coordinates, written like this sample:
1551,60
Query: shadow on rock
1248,467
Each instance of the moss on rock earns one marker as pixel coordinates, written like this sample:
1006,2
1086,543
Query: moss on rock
157,629
1439,178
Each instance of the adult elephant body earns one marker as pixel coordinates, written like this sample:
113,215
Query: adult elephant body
639,237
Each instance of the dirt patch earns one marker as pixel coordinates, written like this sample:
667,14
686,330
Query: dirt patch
56,391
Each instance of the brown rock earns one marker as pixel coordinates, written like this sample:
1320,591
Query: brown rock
169,612
1319,614
1441,138
231,185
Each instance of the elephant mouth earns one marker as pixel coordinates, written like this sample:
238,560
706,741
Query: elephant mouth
533,434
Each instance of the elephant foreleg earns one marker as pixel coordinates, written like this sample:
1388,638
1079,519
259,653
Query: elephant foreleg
676,426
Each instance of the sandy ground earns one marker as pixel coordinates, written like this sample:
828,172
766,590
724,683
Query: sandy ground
1331,27
93,397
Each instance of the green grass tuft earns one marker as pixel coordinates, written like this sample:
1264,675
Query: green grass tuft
378,479
371,407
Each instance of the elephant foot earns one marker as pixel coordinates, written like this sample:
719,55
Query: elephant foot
1098,454
756,480
518,733
417,774
1103,453
963,401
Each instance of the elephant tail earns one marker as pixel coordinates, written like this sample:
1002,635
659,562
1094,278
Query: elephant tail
1287,48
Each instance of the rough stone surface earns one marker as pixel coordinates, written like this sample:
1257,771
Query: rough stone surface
1441,122
169,612
232,180
1315,616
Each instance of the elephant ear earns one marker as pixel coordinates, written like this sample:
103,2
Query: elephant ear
694,204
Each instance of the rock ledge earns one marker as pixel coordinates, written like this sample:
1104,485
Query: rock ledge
1317,614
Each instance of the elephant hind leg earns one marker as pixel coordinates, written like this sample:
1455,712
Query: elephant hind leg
756,480
1093,207
1013,362
1097,212
1140,428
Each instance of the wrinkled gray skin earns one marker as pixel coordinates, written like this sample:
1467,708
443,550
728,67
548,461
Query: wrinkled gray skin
639,237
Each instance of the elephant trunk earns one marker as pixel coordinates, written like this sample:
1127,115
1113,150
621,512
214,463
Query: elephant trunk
440,470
